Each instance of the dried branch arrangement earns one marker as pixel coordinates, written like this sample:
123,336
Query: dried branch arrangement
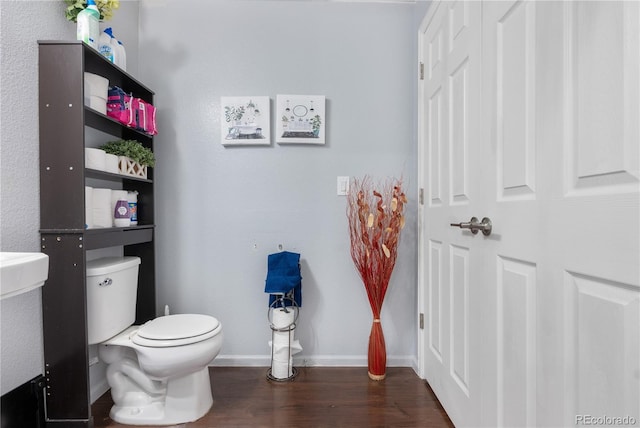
376,218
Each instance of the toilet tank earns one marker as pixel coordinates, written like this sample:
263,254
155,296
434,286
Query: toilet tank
112,285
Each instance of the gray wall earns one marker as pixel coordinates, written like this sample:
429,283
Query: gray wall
22,24
216,204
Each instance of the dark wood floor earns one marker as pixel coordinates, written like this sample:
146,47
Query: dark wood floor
317,397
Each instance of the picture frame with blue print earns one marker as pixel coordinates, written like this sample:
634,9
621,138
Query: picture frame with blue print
245,121
300,119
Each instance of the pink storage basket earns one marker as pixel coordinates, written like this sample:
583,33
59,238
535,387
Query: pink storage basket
131,111
119,106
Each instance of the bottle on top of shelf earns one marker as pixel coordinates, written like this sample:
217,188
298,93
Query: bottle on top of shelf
88,29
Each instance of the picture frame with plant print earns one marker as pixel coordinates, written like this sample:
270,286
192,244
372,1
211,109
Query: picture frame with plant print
245,121
300,119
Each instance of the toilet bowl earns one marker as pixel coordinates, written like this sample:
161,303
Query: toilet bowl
158,371
165,380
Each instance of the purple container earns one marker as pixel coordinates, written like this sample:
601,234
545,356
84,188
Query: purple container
121,214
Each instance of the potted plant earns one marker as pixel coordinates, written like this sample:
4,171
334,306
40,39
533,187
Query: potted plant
133,157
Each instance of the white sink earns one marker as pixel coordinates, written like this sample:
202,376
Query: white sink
22,272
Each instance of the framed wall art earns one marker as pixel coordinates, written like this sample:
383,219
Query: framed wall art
300,119
245,121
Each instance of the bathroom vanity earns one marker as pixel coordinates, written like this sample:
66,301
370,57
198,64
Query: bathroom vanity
64,122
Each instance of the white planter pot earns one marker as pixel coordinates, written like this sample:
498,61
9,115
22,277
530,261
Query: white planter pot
126,166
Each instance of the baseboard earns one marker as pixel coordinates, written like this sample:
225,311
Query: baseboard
312,361
241,361
99,389
415,366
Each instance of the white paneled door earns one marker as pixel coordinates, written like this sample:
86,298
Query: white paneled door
450,158
537,324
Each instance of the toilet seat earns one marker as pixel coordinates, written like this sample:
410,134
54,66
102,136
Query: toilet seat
176,330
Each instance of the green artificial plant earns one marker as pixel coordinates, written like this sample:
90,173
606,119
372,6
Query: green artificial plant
132,149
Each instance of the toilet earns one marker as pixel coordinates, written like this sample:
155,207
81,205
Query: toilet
158,371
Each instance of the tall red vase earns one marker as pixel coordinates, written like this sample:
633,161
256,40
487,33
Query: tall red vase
377,352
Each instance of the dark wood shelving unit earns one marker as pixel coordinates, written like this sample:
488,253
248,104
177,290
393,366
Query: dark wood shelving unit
62,120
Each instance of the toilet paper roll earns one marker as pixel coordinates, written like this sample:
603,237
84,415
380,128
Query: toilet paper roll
99,104
282,361
282,319
95,84
96,92
282,338
282,351
111,163
282,369
88,207
283,343
116,195
102,213
95,159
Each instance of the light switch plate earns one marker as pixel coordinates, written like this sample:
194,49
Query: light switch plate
343,185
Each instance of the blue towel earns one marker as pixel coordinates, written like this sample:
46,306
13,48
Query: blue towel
283,277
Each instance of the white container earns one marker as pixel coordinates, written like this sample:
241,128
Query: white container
96,92
105,47
112,285
111,163
115,47
96,85
95,159
88,207
99,104
132,198
122,215
118,195
88,29
122,56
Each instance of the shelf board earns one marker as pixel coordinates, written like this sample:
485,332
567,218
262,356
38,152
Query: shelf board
109,236
116,236
95,230
102,122
103,175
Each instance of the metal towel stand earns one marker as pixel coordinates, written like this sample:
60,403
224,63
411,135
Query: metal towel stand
281,301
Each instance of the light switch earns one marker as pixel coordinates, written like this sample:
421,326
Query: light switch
343,185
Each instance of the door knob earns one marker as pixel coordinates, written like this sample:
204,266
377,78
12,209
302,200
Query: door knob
467,225
474,226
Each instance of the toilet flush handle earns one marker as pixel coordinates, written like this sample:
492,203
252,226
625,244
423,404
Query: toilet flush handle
107,281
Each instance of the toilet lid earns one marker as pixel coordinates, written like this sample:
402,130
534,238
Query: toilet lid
175,327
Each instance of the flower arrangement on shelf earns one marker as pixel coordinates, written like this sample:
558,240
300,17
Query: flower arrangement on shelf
376,219
106,8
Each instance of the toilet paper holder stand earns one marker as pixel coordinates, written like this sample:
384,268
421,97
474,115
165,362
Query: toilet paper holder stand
281,301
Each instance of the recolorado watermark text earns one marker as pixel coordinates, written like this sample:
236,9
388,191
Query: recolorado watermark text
606,420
